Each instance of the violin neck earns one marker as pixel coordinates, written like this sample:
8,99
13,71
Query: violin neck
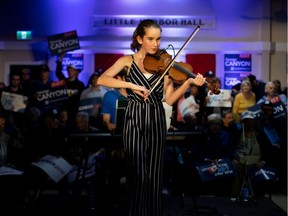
190,74
178,67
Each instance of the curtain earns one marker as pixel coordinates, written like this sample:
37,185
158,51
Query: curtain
105,60
201,63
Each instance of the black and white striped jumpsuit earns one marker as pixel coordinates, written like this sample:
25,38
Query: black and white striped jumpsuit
144,137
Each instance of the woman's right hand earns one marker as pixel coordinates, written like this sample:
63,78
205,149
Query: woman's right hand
140,90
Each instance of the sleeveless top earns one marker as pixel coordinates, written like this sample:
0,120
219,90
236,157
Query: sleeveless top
144,120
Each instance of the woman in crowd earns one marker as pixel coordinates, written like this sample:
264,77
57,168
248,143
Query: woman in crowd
243,100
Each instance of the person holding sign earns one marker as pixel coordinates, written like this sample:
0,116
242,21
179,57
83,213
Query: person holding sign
218,103
273,96
73,84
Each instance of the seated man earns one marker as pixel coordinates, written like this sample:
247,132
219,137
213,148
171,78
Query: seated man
109,103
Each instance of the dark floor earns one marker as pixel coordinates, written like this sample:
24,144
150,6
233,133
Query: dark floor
173,206
85,200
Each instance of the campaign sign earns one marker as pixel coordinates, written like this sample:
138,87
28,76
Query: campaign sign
231,79
75,59
189,106
256,110
265,173
55,167
57,93
13,102
4,170
279,110
216,170
221,100
238,62
90,105
64,42
90,169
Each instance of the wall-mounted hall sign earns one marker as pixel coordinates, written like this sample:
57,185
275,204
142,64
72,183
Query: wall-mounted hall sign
206,22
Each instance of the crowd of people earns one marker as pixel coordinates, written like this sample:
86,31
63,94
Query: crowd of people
246,134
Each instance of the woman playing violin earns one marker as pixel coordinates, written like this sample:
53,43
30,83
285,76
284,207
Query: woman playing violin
144,132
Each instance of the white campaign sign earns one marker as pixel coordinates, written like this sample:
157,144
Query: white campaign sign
55,167
221,100
13,102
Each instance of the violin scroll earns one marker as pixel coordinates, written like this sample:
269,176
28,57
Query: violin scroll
212,88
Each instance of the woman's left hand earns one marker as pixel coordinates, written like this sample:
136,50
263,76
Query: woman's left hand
199,80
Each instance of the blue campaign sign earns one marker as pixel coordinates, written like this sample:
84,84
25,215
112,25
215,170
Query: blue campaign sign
231,79
238,62
220,168
75,59
63,42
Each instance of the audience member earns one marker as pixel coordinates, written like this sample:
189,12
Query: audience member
228,124
235,90
271,95
64,121
15,88
188,111
194,113
278,88
216,107
73,84
26,80
4,140
216,144
11,185
258,87
109,103
14,85
93,94
243,100
248,153
273,134
2,85
40,87
203,90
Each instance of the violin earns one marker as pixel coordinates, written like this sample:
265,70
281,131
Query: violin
178,72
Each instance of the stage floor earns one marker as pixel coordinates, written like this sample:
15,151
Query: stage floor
208,205
173,206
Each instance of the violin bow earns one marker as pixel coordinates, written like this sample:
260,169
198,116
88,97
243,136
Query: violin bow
174,59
